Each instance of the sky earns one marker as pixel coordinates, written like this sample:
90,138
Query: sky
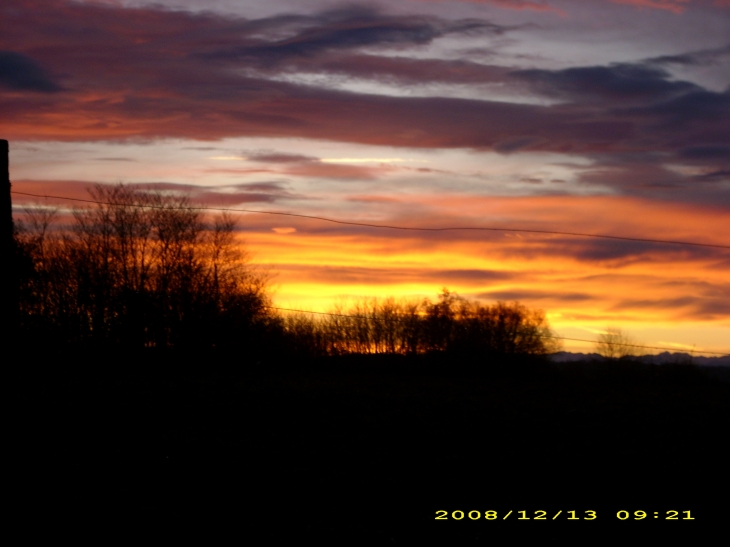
593,116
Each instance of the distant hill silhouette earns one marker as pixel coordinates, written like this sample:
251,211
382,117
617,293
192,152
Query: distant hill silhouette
658,359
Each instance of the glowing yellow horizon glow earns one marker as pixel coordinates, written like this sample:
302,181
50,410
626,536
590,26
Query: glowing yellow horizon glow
678,346
660,296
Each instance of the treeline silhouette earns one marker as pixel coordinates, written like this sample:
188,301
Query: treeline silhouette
452,324
144,269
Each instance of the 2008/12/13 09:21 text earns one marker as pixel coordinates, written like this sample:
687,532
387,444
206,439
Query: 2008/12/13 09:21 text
566,515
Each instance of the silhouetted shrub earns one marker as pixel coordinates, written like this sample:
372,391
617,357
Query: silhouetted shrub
452,324
615,344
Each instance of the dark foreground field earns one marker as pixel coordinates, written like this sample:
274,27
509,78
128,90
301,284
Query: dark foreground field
368,448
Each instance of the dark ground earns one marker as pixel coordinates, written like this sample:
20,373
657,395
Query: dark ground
368,448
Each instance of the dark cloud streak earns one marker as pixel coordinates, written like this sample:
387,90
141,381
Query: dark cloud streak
340,29
703,57
21,73
614,83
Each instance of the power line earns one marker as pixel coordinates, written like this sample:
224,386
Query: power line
395,227
539,335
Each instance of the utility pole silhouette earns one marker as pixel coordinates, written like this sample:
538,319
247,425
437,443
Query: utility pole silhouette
5,174
11,292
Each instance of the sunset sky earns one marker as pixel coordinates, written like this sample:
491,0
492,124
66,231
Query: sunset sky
594,116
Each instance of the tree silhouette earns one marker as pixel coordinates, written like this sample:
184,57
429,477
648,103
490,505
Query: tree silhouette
615,344
140,269
452,324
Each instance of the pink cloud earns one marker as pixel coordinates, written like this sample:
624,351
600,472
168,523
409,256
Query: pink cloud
77,189
200,195
311,169
675,6
336,171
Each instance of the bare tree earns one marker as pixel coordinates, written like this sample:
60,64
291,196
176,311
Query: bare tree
615,344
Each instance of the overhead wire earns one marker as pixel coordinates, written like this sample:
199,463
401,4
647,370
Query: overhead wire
412,228
396,227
